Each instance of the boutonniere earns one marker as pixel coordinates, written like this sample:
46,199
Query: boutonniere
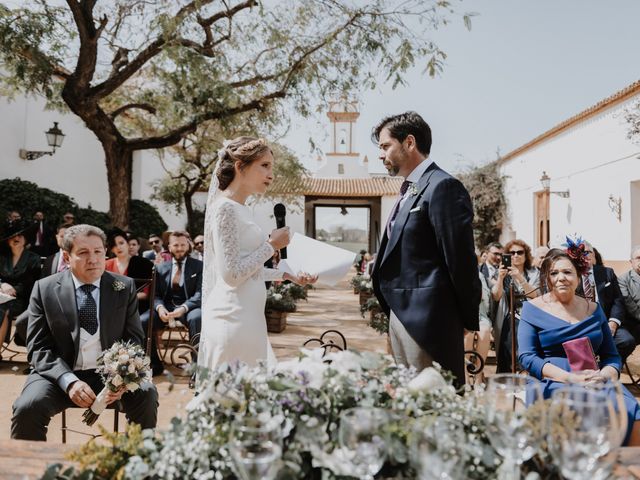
413,190
118,285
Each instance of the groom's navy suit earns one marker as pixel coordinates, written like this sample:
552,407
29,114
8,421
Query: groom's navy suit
426,271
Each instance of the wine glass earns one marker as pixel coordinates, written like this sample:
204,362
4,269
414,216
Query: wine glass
362,435
614,390
514,427
580,432
255,446
437,444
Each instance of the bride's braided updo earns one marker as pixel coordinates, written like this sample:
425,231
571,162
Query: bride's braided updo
242,149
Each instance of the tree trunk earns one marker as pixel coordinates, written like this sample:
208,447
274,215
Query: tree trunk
187,197
119,166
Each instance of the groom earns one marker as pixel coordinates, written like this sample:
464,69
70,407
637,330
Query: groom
426,274
73,316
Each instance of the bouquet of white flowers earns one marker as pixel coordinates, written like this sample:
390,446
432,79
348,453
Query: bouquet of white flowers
124,366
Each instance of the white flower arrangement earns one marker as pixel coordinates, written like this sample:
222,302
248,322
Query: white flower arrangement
118,286
413,190
307,395
124,366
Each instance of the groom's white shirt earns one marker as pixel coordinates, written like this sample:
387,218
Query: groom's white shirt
413,177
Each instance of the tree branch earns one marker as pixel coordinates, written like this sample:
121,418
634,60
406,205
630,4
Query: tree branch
141,106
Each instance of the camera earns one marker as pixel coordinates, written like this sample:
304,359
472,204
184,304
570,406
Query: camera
506,260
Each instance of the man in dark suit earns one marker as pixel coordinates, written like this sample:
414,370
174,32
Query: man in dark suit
178,292
607,293
42,238
55,262
73,317
426,272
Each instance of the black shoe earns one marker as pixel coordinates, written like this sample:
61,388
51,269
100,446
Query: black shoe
157,370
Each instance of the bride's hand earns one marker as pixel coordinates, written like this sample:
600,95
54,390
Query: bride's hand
280,238
302,278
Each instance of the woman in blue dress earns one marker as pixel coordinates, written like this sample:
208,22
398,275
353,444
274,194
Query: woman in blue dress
560,315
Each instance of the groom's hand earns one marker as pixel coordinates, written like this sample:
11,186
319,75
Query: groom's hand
81,394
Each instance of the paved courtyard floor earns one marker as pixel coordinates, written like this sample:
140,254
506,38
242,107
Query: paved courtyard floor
326,308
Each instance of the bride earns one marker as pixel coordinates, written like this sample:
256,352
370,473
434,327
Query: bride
233,290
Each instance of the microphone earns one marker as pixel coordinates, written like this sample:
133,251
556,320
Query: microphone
280,211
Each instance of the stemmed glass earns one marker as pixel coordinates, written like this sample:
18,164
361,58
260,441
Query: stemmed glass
582,432
437,444
362,435
255,446
514,427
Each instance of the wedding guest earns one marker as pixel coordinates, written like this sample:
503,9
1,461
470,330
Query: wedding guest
600,284
80,303
178,292
125,264
538,256
42,238
156,254
198,247
56,263
134,245
491,265
559,316
19,270
526,282
69,218
630,290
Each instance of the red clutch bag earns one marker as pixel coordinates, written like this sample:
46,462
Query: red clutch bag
580,354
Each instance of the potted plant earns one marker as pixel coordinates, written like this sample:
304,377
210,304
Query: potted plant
378,320
279,303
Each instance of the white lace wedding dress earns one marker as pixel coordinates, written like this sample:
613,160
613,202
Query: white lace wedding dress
234,294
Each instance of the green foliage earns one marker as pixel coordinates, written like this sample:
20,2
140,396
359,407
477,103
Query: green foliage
632,117
28,198
486,188
377,318
145,219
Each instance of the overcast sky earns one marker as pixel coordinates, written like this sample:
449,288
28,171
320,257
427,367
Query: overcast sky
524,67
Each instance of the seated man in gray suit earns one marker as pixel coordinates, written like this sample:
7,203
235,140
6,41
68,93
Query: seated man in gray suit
73,316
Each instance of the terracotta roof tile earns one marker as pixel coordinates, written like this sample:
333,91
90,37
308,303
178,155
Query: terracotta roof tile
340,187
608,102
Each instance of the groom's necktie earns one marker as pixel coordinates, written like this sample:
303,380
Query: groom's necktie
394,213
88,311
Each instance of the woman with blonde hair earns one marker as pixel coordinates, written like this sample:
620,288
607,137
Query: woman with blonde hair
233,321
525,278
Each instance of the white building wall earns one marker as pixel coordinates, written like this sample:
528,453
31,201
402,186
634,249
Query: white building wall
593,159
77,168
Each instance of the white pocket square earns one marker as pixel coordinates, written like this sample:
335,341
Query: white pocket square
194,275
416,209
607,284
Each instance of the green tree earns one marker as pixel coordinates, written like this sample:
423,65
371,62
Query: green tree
486,188
178,64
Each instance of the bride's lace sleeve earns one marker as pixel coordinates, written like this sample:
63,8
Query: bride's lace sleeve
235,269
269,274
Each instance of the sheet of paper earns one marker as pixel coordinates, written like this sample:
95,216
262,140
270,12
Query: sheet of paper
4,298
306,254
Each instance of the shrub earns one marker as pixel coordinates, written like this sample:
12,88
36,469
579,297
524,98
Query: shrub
28,198
145,219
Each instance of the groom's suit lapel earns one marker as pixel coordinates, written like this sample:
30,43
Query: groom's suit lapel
403,213
66,293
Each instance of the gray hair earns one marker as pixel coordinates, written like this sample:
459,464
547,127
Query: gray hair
82,230
634,250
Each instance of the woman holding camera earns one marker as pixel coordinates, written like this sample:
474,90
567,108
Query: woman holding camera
515,269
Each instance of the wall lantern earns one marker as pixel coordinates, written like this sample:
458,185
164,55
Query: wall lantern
545,180
55,137
615,205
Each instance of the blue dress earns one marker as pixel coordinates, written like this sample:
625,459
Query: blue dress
540,338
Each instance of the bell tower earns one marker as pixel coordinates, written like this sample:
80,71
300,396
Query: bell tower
342,158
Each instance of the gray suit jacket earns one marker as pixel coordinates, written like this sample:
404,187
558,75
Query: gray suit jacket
630,289
53,333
